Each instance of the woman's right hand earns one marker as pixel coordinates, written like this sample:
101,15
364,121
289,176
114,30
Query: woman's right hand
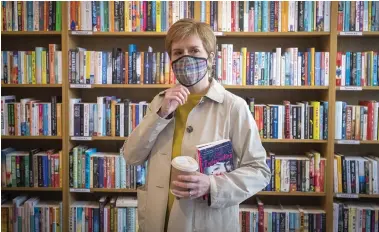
174,97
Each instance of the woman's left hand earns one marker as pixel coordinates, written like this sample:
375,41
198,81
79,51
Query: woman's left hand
198,185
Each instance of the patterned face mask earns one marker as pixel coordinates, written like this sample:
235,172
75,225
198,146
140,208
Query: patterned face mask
189,70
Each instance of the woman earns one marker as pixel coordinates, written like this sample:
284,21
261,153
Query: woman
194,112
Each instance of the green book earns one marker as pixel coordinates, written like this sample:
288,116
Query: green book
58,16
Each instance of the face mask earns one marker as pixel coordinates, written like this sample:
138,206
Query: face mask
189,70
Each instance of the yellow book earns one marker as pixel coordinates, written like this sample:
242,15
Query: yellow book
44,80
126,16
243,51
371,81
369,15
113,118
59,119
137,14
339,172
208,12
57,219
284,16
26,77
158,16
312,72
316,119
277,175
34,81
111,16
88,67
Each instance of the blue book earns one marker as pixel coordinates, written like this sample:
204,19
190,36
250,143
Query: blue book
88,154
347,16
274,222
266,68
163,16
153,16
94,20
131,49
96,221
373,15
19,77
45,170
29,10
104,58
45,120
256,12
259,19
275,120
359,68
264,16
343,120
36,218
375,73
310,17
287,70
309,67
269,186
317,68
202,11
347,73
306,16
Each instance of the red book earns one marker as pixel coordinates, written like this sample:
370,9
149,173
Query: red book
322,175
233,20
261,216
370,118
287,125
339,69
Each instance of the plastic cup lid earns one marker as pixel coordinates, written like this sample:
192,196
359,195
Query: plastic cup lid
185,164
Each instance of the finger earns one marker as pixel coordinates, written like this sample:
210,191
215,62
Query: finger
182,96
180,194
183,92
175,98
186,185
189,178
185,89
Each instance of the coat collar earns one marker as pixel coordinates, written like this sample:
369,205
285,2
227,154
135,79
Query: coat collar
216,92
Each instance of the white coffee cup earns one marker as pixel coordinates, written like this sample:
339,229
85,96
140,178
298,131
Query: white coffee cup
182,165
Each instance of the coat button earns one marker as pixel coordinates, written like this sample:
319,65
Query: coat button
189,129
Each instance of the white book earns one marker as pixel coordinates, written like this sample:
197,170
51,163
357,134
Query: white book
365,16
280,122
35,113
95,119
246,16
73,101
109,68
338,120
326,70
343,76
99,72
363,69
228,16
278,59
49,119
296,16
130,117
58,72
291,16
365,123
335,216
229,69
117,172
327,16
335,175
283,71
21,69
357,10
298,70
273,69
122,121
375,177
376,105
307,177
100,117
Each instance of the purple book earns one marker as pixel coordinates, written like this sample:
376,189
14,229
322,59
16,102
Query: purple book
216,157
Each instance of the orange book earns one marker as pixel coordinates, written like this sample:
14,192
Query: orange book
284,16
208,12
170,14
78,21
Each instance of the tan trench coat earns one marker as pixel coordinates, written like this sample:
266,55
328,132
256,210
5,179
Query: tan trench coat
219,115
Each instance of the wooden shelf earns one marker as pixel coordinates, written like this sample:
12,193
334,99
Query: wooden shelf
31,86
356,196
218,34
89,138
30,137
102,190
358,34
30,33
165,86
304,194
293,141
357,88
355,142
31,189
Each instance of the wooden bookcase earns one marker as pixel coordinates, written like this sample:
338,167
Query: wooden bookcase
257,41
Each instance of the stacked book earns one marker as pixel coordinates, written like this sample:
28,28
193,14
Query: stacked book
290,67
228,16
358,16
108,214
31,16
31,117
303,120
356,122
42,66
357,68
296,173
356,174
357,216
118,67
91,169
31,214
34,168
273,218
108,117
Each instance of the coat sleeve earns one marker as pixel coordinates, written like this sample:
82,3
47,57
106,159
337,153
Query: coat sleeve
140,142
251,173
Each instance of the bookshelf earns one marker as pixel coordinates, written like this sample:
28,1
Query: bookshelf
333,42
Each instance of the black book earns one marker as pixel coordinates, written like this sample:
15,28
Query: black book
240,15
126,117
77,119
31,171
301,7
71,168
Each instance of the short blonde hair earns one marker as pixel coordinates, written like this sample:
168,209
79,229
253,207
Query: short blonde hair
188,27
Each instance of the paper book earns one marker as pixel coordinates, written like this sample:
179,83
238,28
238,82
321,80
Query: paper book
215,157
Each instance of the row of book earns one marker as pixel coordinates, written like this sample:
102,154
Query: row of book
358,16
33,168
31,117
289,68
356,122
118,67
356,174
355,216
108,214
42,66
110,116
229,16
273,218
92,169
31,16
357,68
24,213
296,173
303,120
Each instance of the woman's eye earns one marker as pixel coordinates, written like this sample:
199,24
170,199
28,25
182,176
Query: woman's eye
195,51
177,53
